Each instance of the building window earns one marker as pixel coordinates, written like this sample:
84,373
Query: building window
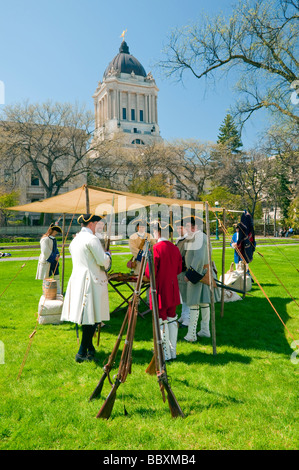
132,114
124,113
138,141
34,179
141,115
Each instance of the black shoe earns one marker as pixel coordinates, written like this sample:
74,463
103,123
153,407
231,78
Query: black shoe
81,358
91,355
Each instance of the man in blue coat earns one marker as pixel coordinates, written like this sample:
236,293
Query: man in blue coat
233,244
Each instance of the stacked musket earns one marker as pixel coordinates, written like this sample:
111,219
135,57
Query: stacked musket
126,357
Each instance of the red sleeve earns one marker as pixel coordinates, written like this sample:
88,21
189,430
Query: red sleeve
146,272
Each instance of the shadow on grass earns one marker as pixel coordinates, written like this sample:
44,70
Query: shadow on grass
247,324
253,324
250,324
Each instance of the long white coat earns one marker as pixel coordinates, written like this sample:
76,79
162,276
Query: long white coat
43,266
86,300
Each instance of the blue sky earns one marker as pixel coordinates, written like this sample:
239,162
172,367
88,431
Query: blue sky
59,49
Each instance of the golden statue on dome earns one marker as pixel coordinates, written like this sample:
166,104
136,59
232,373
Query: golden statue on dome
123,34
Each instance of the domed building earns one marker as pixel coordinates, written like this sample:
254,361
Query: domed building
126,101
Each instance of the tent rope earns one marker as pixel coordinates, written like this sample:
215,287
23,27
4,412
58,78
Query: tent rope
258,283
283,254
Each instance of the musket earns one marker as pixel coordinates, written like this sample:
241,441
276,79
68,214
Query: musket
153,366
107,368
107,246
174,406
206,280
123,371
220,284
126,357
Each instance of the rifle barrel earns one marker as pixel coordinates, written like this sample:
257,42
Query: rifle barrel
126,357
109,365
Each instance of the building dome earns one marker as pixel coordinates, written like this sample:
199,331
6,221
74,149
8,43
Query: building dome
124,62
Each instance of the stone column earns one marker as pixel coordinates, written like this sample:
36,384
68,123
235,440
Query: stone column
96,114
129,107
137,108
153,109
149,109
145,109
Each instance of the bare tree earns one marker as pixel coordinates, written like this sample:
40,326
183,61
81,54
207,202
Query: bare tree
248,175
107,162
188,162
56,142
49,139
259,41
146,171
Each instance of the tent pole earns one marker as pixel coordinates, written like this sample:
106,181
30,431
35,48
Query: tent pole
87,199
223,263
244,279
63,253
211,280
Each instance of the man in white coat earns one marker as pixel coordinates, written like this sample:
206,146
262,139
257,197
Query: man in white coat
86,300
48,260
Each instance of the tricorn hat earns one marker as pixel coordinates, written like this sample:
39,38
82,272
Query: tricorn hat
55,227
85,218
141,221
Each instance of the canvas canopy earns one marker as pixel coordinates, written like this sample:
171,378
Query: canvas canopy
100,201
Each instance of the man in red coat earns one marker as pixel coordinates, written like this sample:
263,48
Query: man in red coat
168,264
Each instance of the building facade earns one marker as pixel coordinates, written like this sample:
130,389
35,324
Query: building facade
126,102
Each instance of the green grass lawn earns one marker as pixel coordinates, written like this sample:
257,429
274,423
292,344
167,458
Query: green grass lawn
244,397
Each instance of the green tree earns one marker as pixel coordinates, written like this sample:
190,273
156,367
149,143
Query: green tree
281,143
293,214
229,135
7,199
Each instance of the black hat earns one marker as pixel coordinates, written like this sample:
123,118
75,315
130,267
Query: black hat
85,218
141,222
55,227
